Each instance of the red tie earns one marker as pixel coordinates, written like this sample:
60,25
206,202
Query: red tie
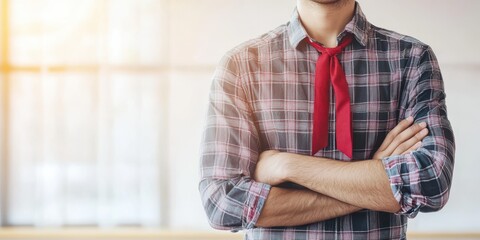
328,69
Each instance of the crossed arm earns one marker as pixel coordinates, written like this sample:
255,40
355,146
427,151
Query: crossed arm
334,188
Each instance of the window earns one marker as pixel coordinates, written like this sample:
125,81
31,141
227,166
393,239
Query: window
83,112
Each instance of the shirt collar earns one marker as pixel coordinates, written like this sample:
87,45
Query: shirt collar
295,30
358,26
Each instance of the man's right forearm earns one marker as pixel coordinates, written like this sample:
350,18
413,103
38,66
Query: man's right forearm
294,207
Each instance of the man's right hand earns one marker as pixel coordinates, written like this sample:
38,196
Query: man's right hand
404,138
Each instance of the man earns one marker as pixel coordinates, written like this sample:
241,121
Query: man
326,128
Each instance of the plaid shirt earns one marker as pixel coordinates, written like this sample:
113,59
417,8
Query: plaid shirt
262,98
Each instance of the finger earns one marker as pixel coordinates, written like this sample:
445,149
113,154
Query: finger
411,142
404,136
404,124
413,148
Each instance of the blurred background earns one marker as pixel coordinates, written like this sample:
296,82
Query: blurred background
102,104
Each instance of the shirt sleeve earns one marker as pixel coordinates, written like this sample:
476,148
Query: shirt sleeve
229,153
421,180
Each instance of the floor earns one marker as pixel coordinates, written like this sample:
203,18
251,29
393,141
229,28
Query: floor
28,233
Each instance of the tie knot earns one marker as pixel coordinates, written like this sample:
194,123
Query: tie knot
332,51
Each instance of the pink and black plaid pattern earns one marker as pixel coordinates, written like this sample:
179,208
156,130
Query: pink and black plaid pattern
262,98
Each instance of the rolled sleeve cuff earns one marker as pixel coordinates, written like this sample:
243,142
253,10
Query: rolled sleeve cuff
399,177
257,195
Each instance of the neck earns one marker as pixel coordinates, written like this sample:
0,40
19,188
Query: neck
325,21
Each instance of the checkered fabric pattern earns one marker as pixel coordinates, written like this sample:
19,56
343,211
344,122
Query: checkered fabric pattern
262,98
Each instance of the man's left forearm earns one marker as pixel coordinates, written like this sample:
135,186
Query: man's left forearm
364,184
361,183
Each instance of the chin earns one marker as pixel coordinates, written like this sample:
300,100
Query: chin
328,1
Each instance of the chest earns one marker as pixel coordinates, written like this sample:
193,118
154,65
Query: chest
282,101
